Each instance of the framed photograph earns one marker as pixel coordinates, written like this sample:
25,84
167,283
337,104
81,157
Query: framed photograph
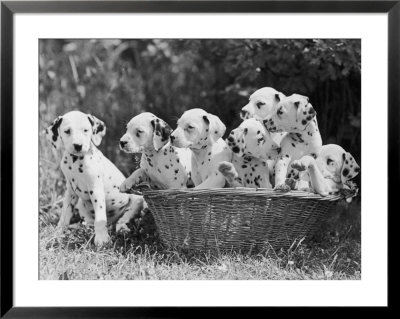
159,155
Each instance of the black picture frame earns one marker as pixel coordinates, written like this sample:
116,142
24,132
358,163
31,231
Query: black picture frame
9,8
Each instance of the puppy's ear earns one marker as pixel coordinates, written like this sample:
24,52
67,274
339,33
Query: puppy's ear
161,133
350,168
98,129
53,133
215,126
305,112
235,141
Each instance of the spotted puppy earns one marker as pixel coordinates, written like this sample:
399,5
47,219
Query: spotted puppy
330,171
92,180
162,165
252,146
295,115
201,132
260,106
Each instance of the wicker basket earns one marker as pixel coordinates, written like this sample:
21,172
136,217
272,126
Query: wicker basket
244,219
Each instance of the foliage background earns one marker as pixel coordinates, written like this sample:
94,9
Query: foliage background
117,79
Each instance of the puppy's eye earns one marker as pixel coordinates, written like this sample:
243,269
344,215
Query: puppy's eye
329,161
190,127
67,131
259,104
86,131
138,132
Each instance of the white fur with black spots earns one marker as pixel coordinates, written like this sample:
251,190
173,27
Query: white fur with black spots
252,147
92,179
261,105
330,171
162,165
295,115
201,132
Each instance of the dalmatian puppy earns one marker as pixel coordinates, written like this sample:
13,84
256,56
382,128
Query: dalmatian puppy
92,180
261,104
295,115
330,171
201,132
162,165
251,145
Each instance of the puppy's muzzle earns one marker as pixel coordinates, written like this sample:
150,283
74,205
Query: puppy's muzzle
122,144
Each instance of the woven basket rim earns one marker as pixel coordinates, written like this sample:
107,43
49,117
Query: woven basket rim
243,191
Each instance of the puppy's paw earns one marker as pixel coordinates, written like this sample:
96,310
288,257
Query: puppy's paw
102,238
282,188
291,183
65,217
59,230
126,186
101,233
62,223
122,228
299,165
230,174
226,168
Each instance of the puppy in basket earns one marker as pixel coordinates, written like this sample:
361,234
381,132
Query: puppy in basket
252,145
201,132
261,105
331,171
295,115
162,166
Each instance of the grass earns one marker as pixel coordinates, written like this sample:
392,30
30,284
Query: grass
71,254
333,254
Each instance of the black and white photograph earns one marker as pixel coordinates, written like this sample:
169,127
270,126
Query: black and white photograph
191,159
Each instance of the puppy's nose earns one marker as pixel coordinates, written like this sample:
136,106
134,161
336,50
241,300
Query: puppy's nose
122,143
243,114
78,147
171,137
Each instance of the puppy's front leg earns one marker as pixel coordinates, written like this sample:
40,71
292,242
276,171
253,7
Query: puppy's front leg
281,168
135,178
318,182
69,202
134,209
228,170
98,199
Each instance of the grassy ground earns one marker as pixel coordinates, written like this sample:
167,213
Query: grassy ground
334,253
